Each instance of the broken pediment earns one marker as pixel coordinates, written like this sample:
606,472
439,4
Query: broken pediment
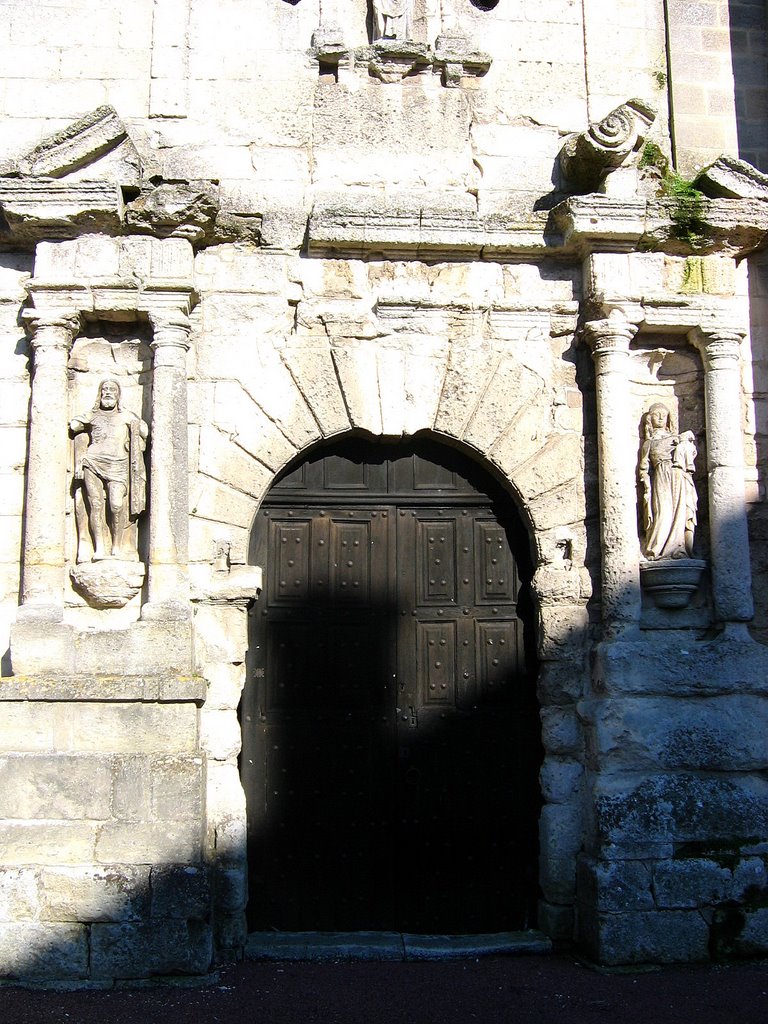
729,178
96,147
90,178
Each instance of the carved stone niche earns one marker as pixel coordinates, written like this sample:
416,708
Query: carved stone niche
109,440
670,574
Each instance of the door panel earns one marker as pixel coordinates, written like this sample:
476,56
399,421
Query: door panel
390,735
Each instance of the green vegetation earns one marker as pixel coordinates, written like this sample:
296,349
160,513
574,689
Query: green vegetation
687,211
660,77
652,156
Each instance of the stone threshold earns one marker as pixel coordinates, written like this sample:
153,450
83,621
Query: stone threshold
381,946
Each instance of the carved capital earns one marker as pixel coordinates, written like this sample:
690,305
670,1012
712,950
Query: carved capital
719,346
605,145
609,337
171,328
51,330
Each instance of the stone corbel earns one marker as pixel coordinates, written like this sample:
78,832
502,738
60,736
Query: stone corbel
586,158
392,59
227,579
458,58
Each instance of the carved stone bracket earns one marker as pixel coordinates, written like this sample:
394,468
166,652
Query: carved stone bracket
108,584
390,59
458,58
586,158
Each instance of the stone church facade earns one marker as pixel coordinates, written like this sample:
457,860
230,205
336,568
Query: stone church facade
244,238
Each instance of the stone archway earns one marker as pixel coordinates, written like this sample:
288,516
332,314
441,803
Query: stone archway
511,402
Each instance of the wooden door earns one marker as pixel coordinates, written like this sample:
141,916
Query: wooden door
390,740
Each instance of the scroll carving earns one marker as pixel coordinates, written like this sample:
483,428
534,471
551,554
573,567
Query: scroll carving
586,158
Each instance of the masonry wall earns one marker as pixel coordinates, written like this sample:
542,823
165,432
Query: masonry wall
452,305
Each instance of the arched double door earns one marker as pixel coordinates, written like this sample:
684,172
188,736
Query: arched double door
390,728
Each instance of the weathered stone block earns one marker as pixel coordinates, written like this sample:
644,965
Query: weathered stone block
115,892
562,631
55,786
220,734
230,933
560,838
177,788
134,728
27,726
19,898
753,938
221,503
615,886
40,647
230,886
225,685
221,633
222,460
47,842
138,950
225,801
131,788
236,413
715,734
557,921
560,779
181,891
150,648
32,950
690,883
681,808
311,365
644,937
160,842
750,879
561,731
562,683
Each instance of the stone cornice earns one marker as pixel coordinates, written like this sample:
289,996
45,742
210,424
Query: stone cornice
498,318
598,223
36,209
451,226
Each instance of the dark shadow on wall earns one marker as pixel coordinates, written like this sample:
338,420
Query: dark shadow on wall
374,804
749,50
749,54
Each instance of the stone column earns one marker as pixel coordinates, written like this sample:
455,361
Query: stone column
731,570
169,461
617,456
46,491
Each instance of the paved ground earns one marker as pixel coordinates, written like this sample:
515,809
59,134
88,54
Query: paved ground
496,990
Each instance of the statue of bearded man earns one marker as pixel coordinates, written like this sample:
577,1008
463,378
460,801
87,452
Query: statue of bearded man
111,467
